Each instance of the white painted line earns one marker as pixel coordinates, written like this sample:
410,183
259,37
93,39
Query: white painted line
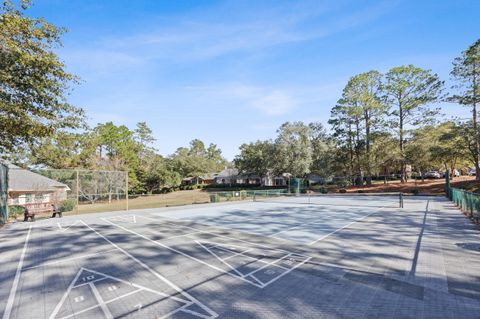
96,306
212,266
67,228
100,301
154,232
135,285
168,282
220,259
220,235
65,295
62,260
177,251
287,272
13,290
339,229
300,225
236,254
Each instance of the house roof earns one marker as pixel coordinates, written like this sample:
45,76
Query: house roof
229,172
20,179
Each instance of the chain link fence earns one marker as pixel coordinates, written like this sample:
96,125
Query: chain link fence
3,193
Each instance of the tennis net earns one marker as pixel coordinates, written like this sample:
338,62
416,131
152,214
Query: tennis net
353,199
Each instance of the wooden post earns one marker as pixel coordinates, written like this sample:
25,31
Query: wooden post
77,192
126,190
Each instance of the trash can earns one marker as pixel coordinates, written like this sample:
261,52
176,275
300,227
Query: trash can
213,198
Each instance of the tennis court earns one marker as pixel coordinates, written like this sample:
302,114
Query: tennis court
277,257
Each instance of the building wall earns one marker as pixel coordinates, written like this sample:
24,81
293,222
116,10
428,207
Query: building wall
24,198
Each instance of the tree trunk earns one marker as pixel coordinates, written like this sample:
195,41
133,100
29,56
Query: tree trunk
359,178
475,129
350,149
403,168
367,148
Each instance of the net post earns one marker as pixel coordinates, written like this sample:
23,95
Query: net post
77,191
254,196
126,190
401,200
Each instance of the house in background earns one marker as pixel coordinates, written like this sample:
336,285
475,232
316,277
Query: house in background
232,176
32,190
206,179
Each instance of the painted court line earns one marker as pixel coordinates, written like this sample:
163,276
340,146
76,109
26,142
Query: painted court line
172,220
101,302
287,272
64,297
13,290
154,232
239,276
176,251
62,260
165,280
220,259
299,225
339,229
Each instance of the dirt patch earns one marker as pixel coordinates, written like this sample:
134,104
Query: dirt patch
432,186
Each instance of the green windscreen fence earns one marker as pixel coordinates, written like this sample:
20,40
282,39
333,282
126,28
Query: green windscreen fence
467,201
3,193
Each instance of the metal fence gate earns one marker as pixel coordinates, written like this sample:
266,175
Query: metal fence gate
3,193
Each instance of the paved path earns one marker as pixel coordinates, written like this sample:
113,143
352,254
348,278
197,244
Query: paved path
419,262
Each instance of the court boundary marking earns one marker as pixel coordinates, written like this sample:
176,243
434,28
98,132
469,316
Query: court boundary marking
102,303
341,228
171,219
262,285
62,260
162,278
16,280
11,299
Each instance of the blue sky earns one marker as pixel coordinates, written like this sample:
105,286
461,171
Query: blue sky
229,72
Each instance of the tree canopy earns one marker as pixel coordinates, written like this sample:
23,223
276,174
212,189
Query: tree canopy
33,81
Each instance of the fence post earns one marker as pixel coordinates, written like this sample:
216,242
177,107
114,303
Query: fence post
126,190
77,190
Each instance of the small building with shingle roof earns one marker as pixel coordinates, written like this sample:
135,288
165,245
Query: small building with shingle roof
35,191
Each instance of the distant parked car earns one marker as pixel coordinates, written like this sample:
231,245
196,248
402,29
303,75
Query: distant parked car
456,173
433,174
472,172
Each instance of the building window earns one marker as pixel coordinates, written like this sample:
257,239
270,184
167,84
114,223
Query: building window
15,201
28,198
39,198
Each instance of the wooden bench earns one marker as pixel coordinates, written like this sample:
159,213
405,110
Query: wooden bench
39,208
28,214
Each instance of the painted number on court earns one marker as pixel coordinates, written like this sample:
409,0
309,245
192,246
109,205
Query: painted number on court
88,278
79,299
269,272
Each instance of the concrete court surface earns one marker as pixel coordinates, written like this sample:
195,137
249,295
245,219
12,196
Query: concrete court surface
345,259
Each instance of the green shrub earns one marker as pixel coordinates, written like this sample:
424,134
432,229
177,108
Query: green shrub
67,205
322,190
15,210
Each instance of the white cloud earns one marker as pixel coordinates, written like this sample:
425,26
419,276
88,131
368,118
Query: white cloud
269,101
274,103
209,34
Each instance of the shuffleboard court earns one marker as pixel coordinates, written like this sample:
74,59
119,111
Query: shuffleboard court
306,219
262,259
